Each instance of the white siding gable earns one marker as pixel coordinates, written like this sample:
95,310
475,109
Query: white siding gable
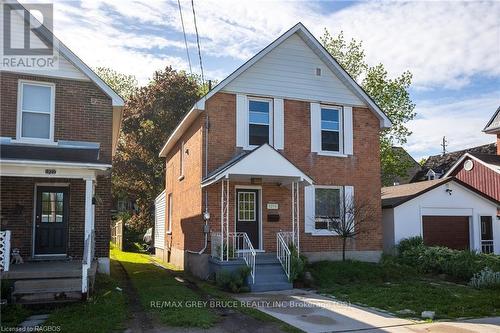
65,68
289,71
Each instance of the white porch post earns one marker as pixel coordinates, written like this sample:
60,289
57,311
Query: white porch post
87,238
295,214
224,218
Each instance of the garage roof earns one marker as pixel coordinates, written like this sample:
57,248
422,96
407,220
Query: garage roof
393,196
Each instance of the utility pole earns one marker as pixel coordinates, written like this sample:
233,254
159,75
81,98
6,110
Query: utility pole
444,144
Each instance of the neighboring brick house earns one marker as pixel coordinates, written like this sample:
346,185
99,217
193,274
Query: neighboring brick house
59,130
266,155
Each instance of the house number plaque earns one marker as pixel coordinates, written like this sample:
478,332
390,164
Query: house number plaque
272,206
50,171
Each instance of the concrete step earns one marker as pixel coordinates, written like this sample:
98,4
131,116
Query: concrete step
269,269
271,286
266,259
270,278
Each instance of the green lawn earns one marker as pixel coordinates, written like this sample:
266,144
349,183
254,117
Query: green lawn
159,292
105,312
395,288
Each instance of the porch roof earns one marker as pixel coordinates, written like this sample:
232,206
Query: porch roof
263,162
44,153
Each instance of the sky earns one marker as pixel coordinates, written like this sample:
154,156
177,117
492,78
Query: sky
451,48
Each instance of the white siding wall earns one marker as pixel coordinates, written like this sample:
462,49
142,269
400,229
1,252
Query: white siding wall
289,71
159,231
462,202
65,68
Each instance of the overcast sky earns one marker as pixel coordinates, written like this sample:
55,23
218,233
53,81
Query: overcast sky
452,48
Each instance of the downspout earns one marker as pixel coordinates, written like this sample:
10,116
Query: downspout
206,214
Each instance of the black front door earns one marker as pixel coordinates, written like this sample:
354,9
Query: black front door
51,220
248,215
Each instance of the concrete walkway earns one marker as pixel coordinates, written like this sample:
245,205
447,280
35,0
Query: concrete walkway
314,313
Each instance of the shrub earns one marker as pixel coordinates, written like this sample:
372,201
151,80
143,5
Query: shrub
409,244
459,265
297,264
486,278
235,281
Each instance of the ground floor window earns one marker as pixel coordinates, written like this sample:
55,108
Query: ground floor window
327,206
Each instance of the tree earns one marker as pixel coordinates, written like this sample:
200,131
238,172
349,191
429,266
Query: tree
391,95
125,85
351,218
150,116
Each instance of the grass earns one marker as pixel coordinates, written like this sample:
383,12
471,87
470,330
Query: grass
156,286
13,315
394,288
106,311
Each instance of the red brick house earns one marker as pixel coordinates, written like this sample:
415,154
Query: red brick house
268,153
59,130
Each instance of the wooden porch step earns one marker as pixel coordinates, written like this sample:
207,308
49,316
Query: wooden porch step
47,290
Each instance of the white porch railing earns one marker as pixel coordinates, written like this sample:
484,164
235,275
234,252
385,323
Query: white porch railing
238,246
5,250
487,246
283,253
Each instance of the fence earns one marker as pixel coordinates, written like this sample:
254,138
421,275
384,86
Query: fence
117,234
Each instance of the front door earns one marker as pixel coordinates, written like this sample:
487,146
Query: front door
248,215
51,220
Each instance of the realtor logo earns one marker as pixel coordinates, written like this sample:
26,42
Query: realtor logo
27,39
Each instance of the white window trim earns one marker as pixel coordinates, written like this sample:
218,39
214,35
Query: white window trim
270,101
339,153
170,206
19,137
325,232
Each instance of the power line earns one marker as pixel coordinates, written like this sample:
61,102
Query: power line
198,42
185,39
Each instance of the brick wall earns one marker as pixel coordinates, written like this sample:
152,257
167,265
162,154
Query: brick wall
16,213
82,111
186,192
361,171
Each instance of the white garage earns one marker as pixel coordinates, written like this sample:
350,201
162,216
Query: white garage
443,212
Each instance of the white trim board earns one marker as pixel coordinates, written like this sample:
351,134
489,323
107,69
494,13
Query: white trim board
316,46
467,155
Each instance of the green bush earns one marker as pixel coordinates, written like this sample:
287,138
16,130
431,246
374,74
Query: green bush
458,265
235,282
486,278
297,264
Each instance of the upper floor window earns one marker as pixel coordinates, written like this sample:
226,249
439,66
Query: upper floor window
35,119
331,129
259,111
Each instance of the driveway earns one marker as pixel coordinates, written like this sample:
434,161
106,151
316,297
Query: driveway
315,313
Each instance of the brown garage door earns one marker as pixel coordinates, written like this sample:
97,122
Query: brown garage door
449,231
